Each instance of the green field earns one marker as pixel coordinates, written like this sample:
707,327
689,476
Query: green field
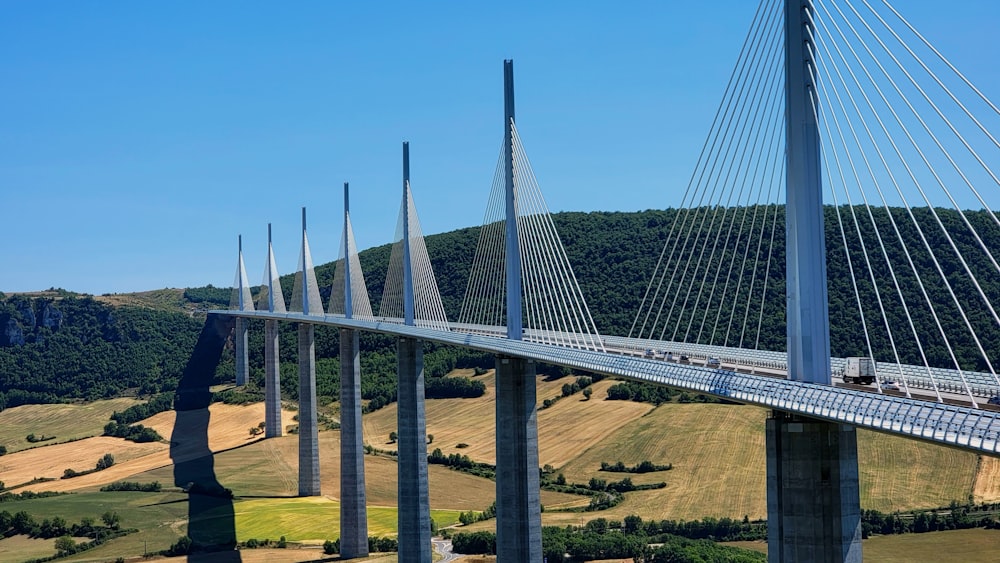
162,519
64,421
159,516
314,519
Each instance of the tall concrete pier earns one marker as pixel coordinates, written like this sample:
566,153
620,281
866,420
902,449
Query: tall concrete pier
353,518
353,503
308,431
519,521
240,338
274,300
813,503
519,529
414,506
272,382
242,303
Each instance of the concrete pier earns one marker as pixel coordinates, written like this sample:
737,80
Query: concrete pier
242,358
414,506
353,516
519,520
308,430
272,382
813,499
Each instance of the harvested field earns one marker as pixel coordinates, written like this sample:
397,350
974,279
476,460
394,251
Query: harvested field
967,546
51,461
901,474
987,487
565,430
228,427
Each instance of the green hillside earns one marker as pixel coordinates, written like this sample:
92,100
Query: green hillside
60,345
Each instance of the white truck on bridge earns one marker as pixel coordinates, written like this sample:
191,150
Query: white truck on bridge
859,370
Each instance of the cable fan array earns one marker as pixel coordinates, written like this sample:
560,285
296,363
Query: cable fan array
554,310
907,141
728,220
428,310
361,307
910,193
241,298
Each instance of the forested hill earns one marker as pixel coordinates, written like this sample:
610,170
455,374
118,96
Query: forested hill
65,345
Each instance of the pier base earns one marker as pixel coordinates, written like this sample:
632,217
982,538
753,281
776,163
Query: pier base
813,499
353,504
519,520
414,504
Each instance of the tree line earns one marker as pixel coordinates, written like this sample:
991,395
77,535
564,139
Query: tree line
75,346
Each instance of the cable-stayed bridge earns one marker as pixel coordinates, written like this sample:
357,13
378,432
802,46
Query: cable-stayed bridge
845,142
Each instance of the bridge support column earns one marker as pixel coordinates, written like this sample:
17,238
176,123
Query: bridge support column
414,504
242,361
272,381
353,504
308,430
519,520
813,499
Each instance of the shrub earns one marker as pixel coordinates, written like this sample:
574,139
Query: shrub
105,462
331,547
180,547
153,487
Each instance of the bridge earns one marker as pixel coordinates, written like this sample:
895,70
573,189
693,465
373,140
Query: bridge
835,101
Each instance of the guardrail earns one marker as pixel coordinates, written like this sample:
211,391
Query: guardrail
963,427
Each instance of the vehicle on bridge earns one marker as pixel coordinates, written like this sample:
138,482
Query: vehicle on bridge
713,362
859,370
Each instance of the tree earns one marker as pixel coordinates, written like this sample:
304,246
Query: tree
587,392
65,545
3,450
105,462
256,430
430,438
393,437
180,547
111,519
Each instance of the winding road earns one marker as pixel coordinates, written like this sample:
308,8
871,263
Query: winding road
443,547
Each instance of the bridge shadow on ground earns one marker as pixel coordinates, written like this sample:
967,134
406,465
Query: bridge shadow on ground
211,519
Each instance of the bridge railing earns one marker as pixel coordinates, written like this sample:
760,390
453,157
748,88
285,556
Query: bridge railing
972,429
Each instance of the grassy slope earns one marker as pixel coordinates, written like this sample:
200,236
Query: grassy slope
159,516
65,422
314,519
20,548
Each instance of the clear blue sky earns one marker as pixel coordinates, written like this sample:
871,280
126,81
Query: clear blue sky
137,139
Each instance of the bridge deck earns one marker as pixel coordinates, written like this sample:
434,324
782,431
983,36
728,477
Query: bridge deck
966,428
